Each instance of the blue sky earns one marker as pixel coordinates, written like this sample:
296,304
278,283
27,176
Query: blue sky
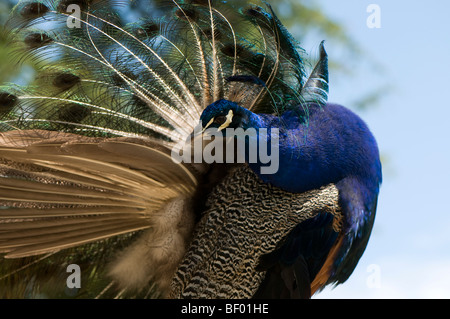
409,253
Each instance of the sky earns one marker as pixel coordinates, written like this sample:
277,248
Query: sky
408,255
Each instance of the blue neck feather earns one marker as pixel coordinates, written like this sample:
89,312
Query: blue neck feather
333,144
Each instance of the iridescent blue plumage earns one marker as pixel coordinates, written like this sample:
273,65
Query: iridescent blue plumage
334,146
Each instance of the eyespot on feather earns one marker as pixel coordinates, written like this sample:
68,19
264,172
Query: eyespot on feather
73,113
208,33
230,50
149,29
120,79
66,81
186,14
36,40
33,10
7,101
242,52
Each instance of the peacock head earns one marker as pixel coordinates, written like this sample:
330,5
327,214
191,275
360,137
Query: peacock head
224,114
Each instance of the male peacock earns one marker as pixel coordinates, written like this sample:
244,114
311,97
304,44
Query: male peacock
87,174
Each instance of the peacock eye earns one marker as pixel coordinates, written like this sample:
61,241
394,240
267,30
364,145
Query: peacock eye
220,119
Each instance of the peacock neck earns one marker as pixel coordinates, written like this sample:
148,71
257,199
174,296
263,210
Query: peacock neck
317,152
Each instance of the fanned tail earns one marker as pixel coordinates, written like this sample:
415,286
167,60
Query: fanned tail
101,77
66,191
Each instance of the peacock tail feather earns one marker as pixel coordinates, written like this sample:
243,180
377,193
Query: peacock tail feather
151,78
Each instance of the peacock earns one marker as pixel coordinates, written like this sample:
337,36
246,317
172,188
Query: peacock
102,166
